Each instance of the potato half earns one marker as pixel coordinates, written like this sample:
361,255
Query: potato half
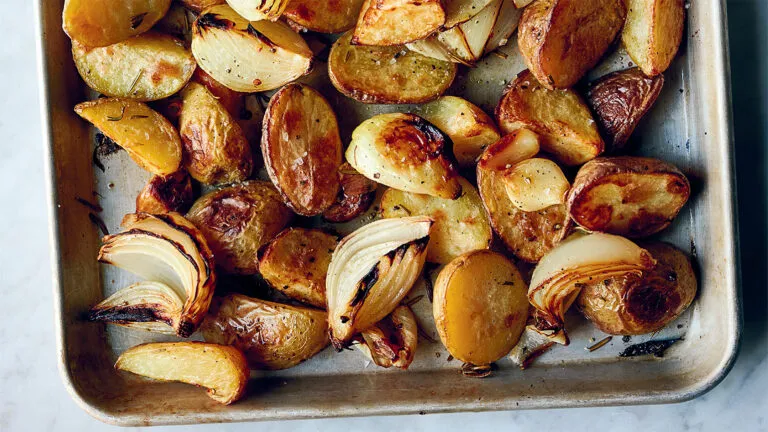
248,56
480,306
629,196
238,220
150,139
405,152
272,335
461,225
165,194
324,16
302,148
561,40
390,75
296,264
397,22
562,120
98,23
653,33
632,305
355,196
222,370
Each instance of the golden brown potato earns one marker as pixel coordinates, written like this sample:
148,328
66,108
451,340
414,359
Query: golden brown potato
561,40
215,148
296,264
562,120
628,196
151,140
238,220
355,196
620,100
232,100
461,225
404,152
272,335
98,23
147,67
633,305
397,22
222,370
302,148
198,6
165,194
324,16
393,340
653,33
480,306
389,75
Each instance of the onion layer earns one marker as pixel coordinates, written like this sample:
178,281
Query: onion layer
393,340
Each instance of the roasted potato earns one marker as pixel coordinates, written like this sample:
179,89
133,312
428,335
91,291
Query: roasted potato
634,305
222,370
461,225
215,148
165,194
302,148
272,335
470,129
405,152
393,340
355,196
296,264
199,6
480,306
653,33
257,10
562,120
620,100
389,75
397,22
237,221
232,100
327,16
248,56
561,40
628,196
98,23
150,139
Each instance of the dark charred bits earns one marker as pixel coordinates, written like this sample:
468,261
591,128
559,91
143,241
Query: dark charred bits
655,348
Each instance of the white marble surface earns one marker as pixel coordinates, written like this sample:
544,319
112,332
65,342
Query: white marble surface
33,398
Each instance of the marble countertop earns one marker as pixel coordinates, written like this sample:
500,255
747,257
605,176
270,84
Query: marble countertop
32,396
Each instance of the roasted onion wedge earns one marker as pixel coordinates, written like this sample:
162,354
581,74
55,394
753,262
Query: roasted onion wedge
371,271
393,340
459,11
148,305
405,152
165,194
257,10
169,250
506,24
396,22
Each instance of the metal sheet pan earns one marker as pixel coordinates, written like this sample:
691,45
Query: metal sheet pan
690,126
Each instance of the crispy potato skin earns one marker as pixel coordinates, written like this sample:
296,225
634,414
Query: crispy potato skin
215,148
620,100
302,148
165,194
563,39
232,100
397,22
98,23
632,305
326,16
355,196
237,221
653,33
296,264
629,196
561,118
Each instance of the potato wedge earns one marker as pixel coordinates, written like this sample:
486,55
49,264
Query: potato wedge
215,148
470,129
165,194
238,220
653,33
390,75
459,11
151,140
627,196
326,16
296,264
197,6
404,152
98,23
222,370
147,67
480,306
562,120
232,100
632,305
461,225
258,10
620,100
536,184
393,340
302,148
397,22
355,196
248,56
561,40
273,336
